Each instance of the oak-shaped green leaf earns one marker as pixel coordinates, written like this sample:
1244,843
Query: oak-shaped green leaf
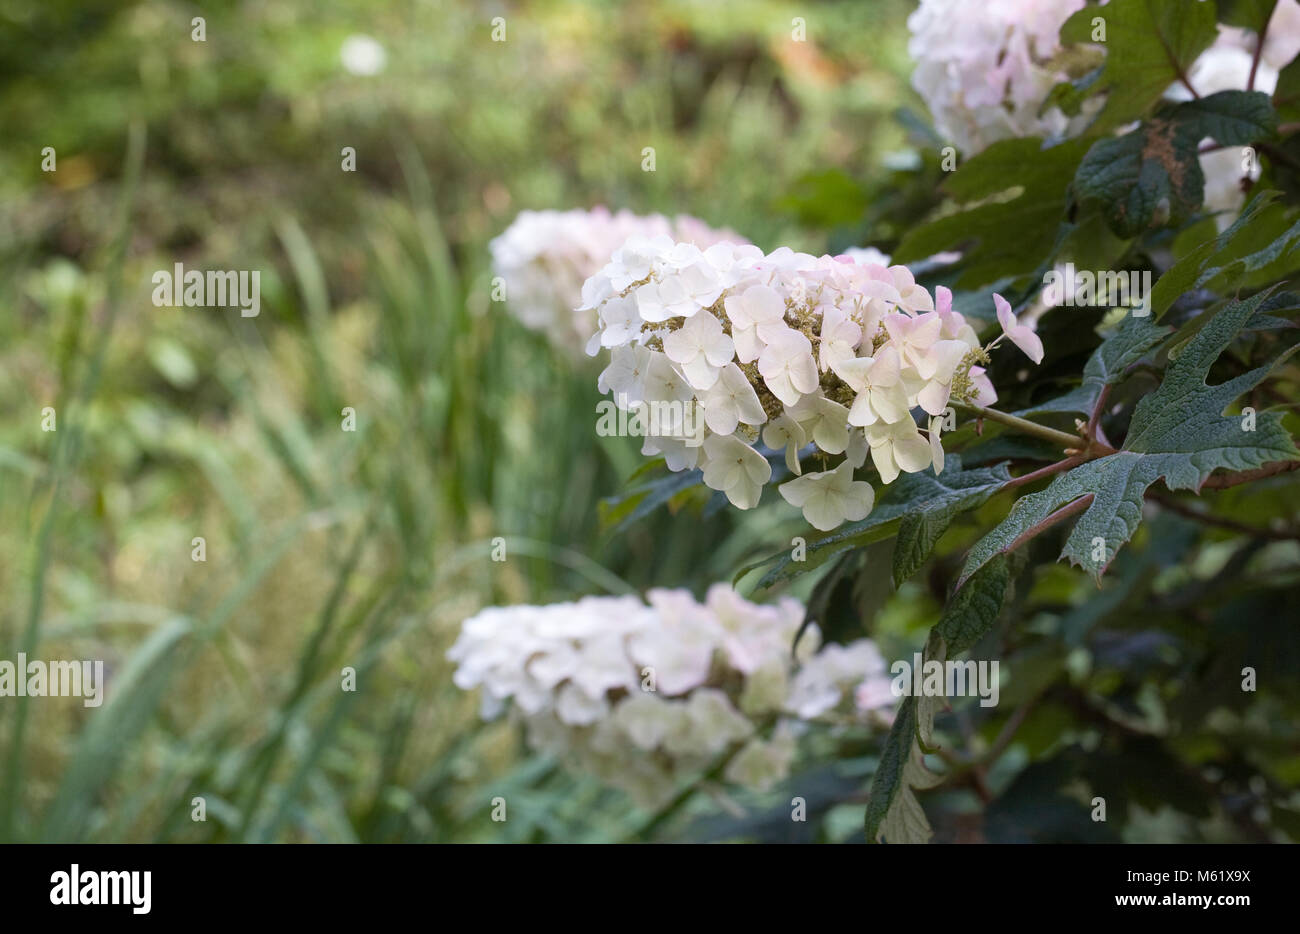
936,502
894,815
1220,254
1178,434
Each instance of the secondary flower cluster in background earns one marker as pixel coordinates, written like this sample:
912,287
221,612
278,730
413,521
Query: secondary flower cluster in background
543,257
794,350
645,695
984,70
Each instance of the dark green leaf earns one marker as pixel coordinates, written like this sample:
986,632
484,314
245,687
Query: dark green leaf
1178,434
1231,118
1152,175
1251,14
1070,95
974,608
1221,255
1021,193
893,813
1149,44
618,512
1286,96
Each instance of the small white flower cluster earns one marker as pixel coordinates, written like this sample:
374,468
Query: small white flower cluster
543,257
790,348
984,68
645,695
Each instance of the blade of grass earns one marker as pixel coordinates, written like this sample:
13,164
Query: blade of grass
67,455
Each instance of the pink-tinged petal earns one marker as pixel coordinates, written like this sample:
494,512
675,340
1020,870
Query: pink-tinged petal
946,354
898,327
903,278
943,299
1006,317
925,329
880,286
985,394
1020,334
1027,341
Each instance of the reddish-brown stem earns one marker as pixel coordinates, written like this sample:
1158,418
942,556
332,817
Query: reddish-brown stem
1025,479
1177,65
1038,528
1173,505
1096,412
1254,61
1224,481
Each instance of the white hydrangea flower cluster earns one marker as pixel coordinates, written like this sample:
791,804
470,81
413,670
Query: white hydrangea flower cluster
644,695
794,349
544,257
985,68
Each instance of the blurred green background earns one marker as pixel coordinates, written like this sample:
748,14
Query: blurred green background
328,548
